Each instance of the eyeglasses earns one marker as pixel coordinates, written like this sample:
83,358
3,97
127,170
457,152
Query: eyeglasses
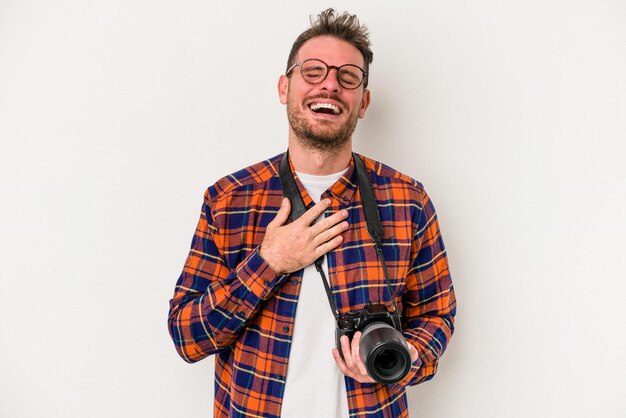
315,71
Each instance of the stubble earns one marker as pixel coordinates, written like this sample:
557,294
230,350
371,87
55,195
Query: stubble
323,136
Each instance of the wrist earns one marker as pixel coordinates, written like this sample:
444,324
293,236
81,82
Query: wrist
266,256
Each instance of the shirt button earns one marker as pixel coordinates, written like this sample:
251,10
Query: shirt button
294,282
286,329
266,283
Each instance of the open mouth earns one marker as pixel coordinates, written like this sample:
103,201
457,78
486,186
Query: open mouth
325,108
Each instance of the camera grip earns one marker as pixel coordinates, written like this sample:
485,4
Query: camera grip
339,332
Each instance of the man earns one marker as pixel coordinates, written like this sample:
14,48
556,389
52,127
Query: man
249,291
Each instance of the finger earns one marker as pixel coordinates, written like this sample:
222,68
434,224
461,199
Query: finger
329,221
312,214
328,246
358,361
330,233
282,215
412,352
342,364
347,352
346,371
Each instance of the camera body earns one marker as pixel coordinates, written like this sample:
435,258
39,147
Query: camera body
351,322
383,349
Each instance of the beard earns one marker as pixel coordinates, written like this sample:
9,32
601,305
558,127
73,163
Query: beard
323,137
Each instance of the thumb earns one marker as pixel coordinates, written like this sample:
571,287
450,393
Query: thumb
282,215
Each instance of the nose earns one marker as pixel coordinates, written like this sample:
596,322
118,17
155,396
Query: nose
331,83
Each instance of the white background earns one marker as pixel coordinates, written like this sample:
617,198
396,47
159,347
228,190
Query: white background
116,115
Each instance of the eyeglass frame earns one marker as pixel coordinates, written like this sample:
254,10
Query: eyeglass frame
328,68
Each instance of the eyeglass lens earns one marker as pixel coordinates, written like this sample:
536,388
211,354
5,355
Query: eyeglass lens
315,71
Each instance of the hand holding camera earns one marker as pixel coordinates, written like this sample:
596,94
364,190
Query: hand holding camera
349,360
378,351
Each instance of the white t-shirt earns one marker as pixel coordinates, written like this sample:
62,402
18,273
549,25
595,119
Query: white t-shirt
314,384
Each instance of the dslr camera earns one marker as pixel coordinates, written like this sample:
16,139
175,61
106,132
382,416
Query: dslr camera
383,349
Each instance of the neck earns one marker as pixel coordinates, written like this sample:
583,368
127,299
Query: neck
316,162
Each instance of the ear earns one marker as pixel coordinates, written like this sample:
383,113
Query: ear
365,102
283,87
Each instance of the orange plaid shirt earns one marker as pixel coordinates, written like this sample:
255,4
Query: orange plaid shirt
230,303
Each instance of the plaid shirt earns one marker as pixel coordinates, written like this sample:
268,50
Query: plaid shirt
229,302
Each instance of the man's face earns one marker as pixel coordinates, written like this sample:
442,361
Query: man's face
329,126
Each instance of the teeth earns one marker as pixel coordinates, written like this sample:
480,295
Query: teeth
317,106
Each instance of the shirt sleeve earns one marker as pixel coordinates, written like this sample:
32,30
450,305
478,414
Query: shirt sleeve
429,303
213,301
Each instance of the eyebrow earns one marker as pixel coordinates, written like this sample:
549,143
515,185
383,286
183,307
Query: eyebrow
330,65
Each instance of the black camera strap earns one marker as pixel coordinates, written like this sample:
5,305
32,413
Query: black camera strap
370,208
372,218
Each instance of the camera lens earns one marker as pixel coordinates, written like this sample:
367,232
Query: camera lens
388,363
385,354
386,360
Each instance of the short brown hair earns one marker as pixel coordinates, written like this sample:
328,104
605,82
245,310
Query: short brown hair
344,26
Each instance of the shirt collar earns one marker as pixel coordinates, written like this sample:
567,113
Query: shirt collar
342,191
